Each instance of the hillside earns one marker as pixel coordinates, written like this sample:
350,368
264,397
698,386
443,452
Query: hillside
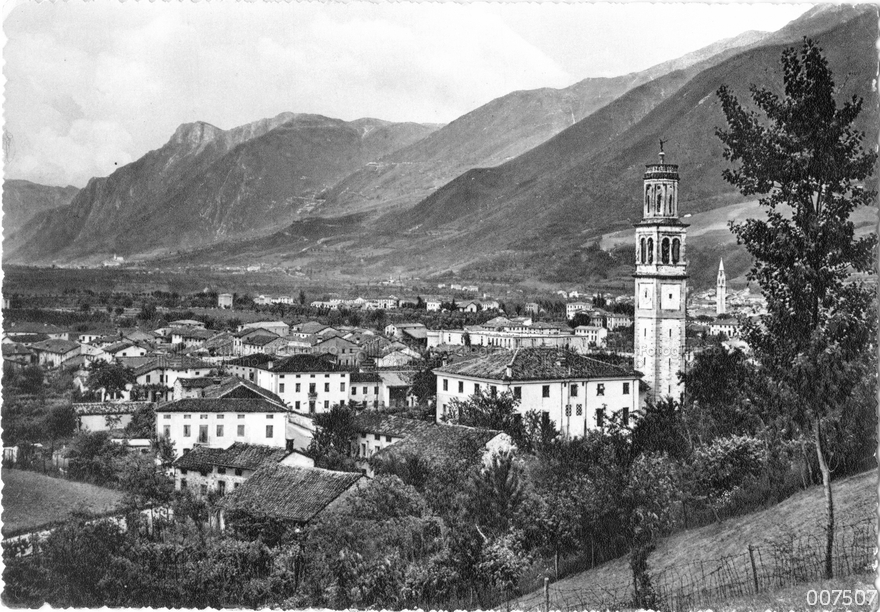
503,129
23,200
206,184
585,181
796,519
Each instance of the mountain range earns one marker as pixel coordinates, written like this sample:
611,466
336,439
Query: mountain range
522,187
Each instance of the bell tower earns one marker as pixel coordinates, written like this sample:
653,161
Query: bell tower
721,290
660,283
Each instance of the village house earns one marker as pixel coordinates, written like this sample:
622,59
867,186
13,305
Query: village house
105,416
17,356
15,329
573,308
191,337
224,300
575,392
279,328
56,353
218,422
437,445
729,327
186,323
165,370
433,304
347,353
365,388
387,303
262,342
221,470
376,431
246,367
125,348
306,383
291,493
532,308
185,388
594,334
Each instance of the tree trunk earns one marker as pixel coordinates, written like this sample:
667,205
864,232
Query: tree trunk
829,502
556,564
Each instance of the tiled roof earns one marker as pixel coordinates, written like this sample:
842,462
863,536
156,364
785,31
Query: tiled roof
536,364
234,387
172,362
388,424
292,493
14,348
362,377
419,333
304,363
109,407
56,346
26,327
219,340
221,404
261,339
252,361
311,327
118,346
239,455
439,443
198,383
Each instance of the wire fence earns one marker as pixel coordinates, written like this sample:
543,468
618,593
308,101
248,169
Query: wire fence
773,565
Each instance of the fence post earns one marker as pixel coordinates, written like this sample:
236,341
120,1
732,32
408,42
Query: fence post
754,569
546,594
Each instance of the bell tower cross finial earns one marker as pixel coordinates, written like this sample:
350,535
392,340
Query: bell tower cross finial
662,154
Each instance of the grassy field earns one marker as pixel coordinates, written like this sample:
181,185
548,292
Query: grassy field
31,500
796,518
798,598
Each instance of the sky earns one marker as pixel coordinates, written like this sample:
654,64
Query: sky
90,87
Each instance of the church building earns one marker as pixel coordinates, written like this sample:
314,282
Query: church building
660,283
721,290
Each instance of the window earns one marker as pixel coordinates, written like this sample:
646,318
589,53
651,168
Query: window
241,416
240,431
664,251
626,388
342,386
183,471
296,406
203,489
166,416
270,416
377,437
203,434
676,250
545,391
642,250
186,416
166,431
148,379
326,386
493,390
221,470
624,416
220,416
461,386
580,410
363,450
375,389
574,390
281,388
221,487
600,417
446,384
650,250
203,417
354,390
182,484
476,387
326,404
238,471
219,431
517,392
600,389
365,390
186,432
270,431
297,387
388,438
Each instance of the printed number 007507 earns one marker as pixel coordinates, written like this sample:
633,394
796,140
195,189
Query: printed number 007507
846,597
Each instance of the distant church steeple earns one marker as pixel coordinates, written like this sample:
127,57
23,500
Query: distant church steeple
721,290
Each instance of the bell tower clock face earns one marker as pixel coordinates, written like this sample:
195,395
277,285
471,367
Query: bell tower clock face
646,296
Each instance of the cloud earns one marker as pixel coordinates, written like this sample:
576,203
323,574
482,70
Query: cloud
91,86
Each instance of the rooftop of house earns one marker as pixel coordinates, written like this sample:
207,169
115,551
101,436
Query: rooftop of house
198,383
302,363
195,333
439,443
234,387
100,408
54,345
239,455
27,327
14,348
261,339
388,424
252,361
292,493
118,346
536,364
364,377
310,327
172,362
222,404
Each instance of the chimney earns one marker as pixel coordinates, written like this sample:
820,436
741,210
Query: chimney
508,371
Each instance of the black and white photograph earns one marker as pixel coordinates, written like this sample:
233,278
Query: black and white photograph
376,305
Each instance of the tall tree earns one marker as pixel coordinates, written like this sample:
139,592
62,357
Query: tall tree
806,159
